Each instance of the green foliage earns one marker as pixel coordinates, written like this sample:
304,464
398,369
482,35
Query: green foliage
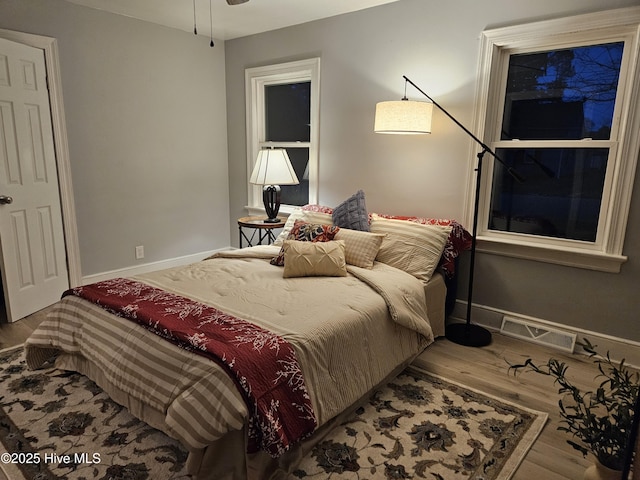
600,420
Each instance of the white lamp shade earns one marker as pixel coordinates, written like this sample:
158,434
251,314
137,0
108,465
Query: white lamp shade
403,117
273,167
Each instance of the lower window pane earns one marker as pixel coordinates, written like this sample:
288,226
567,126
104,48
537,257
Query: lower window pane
297,194
560,196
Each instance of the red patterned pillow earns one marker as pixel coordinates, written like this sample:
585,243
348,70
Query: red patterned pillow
312,232
317,208
307,232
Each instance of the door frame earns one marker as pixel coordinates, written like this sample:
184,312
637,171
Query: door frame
49,46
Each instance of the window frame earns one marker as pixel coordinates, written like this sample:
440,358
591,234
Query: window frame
605,254
256,79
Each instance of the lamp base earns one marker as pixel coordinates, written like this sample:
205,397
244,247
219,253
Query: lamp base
272,220
271,198
468,334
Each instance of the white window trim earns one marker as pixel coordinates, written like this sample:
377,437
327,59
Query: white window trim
606,253
255,80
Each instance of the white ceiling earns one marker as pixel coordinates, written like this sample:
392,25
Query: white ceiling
230,22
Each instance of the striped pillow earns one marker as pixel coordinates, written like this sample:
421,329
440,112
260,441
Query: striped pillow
361,248
412,247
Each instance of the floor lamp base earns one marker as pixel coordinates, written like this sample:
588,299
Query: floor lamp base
468,335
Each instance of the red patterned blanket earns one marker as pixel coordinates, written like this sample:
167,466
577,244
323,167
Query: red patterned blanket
263,364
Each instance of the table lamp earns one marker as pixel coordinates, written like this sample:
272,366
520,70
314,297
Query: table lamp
272,169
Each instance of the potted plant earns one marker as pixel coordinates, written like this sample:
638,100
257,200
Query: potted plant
600,420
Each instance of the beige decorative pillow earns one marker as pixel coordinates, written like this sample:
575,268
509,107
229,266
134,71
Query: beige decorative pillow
361,248
307,216
409,246
309,259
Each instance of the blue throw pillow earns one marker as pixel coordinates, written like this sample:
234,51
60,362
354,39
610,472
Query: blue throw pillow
352,213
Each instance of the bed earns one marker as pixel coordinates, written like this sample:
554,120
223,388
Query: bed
349,332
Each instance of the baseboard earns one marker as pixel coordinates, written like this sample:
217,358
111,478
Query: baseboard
491,318
149,267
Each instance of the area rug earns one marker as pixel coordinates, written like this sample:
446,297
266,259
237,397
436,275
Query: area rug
423,426
57,424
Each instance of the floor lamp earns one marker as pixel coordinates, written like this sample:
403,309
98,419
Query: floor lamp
410,117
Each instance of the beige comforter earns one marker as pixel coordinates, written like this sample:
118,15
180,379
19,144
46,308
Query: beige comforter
348,333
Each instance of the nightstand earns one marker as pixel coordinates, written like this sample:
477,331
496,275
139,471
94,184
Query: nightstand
263,229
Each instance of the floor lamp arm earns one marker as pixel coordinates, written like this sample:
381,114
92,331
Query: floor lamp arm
449,115
484,146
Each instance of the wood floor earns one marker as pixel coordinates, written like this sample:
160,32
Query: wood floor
485,369
16,333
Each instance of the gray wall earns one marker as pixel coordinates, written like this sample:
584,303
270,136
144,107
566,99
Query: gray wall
363,57
147,124
146,117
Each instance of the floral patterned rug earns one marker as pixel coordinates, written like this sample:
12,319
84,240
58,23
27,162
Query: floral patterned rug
56,424
422,426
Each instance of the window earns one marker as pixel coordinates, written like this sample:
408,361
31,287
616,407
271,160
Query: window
559,111
288,119
282,112
563,100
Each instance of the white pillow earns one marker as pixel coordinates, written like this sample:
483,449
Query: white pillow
307,216
409,246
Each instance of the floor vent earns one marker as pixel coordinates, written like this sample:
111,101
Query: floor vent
531,332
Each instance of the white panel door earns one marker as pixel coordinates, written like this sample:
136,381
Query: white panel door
32,249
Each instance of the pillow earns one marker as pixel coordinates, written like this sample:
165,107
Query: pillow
352,213
308,216
309,259
459,240
412,247
312,232
310,207
360,248
307,232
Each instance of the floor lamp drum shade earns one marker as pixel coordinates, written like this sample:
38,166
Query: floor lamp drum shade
403,117
272,169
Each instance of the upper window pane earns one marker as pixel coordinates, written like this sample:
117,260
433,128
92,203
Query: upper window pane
288,112
562,94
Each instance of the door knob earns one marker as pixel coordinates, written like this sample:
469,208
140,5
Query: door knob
5,200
